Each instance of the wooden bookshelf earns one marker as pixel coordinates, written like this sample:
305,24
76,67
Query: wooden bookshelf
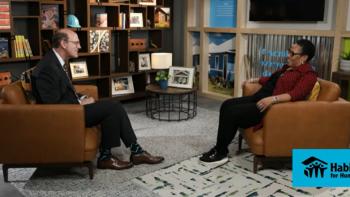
103,65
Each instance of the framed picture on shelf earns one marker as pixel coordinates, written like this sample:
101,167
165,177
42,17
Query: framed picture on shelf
144,61
49,16
122,85
78,69
101,20
136,20
99,41
147,2
162,17
181,77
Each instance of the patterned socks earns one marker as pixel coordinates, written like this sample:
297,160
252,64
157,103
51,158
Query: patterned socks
136,149
105,154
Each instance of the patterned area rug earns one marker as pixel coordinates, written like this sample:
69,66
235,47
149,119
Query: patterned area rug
192,178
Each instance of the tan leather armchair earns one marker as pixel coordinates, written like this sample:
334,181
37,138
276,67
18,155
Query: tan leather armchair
304,124
35,135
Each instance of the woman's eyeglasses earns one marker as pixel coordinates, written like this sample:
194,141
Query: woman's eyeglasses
292,53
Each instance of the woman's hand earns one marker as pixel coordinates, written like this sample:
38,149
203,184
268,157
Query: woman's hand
265,103
87,100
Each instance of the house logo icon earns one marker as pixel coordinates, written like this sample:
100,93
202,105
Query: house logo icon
314,167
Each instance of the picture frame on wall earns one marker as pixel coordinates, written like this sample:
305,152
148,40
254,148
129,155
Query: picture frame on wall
147,2
78,69
181,77
122,85
136,20
144,61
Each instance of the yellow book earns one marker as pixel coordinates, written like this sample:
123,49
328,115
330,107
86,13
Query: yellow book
29,48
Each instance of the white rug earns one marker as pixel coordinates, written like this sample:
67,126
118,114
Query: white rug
192,178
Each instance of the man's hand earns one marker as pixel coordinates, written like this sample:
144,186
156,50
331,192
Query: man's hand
87,100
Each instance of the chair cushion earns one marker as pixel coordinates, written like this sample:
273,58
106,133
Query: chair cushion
314,92
26,81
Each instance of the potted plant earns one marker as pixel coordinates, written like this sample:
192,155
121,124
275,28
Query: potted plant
345,61
162,78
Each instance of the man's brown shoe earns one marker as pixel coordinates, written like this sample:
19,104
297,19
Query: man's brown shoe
145,158
114,164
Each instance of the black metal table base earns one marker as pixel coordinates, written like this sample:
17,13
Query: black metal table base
171,107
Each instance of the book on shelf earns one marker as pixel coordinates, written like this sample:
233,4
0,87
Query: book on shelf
5,16
22,47
122,20
4,48
101,20
99,41
162,17
4,6
49,16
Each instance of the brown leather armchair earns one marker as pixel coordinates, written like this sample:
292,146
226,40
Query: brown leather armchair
304,124
34,135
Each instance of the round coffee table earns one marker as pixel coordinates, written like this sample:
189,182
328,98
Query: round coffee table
172,104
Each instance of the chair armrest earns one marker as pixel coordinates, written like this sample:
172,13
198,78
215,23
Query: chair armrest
306,125
250,88
41,133
89,90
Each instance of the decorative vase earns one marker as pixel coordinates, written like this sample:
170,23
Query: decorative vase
163,84
345,65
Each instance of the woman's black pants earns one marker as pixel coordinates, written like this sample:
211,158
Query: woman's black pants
236,113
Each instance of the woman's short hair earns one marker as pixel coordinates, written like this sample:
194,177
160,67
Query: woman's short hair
307,48
58,37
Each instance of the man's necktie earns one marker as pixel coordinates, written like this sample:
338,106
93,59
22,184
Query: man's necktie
65,68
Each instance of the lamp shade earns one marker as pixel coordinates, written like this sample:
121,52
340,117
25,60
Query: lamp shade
161,60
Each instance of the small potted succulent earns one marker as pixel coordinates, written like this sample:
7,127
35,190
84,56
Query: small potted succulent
162,78
345,61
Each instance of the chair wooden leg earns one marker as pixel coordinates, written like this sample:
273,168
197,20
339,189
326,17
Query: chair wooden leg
240,141
258,160
90,166
5,172
255,164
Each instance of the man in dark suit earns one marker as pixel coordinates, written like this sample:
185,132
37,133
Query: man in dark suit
52,85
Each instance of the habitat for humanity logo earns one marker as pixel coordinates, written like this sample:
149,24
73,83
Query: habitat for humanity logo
321,168
314,167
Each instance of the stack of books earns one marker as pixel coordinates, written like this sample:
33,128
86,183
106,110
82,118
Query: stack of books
22,47
5,15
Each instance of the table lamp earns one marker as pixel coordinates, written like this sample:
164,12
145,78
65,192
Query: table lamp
161,60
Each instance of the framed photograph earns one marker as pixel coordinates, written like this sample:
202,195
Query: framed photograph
49,16
99,41
147,2
180,77
136,20
144,61
78,69
162,17
122,85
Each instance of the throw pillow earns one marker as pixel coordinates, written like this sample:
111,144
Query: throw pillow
26,81
314,92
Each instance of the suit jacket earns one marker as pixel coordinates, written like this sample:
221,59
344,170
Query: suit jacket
50,82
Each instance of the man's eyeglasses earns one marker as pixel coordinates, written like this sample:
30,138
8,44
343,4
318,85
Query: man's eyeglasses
292,53
76,43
